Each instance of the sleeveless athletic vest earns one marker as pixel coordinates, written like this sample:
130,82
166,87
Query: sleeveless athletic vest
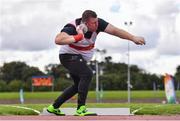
84,47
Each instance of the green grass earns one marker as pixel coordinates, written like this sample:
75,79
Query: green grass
91,95
138,109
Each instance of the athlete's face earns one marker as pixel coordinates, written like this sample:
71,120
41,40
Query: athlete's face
92,24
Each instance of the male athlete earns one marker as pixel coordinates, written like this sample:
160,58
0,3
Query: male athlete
77,40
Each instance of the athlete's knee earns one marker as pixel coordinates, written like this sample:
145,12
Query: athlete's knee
75,87
87,75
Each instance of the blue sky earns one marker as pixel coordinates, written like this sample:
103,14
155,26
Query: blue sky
28,29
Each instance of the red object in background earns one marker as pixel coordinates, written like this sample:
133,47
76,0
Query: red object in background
42,81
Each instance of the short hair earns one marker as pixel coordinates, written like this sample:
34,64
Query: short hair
87,14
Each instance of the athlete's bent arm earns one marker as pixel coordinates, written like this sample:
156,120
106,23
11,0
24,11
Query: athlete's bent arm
63,39
110,29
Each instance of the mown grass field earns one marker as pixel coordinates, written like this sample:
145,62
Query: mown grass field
136,108
91,95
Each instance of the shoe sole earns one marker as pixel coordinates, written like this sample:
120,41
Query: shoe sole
55,113
86,115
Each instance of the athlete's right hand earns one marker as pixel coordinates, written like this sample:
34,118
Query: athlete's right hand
82,28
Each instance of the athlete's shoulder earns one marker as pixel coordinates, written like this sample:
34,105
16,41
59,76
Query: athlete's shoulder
69,29
78,21
102,24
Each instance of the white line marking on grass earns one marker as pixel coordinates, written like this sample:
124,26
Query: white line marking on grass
135,111
22,107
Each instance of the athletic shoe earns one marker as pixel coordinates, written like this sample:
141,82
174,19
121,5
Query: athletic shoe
82,111
57,111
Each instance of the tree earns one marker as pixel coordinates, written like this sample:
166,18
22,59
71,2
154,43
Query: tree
3,86
29,72
12,70
56,70
108,59
18,71
114,76
15,85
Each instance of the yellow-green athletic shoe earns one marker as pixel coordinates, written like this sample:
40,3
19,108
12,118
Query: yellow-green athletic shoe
82,111
58,112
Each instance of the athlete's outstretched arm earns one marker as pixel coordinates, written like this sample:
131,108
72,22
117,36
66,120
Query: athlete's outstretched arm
110,29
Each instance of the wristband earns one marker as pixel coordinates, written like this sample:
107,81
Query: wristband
78,37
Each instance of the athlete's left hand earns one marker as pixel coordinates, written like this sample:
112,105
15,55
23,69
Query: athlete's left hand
139,40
